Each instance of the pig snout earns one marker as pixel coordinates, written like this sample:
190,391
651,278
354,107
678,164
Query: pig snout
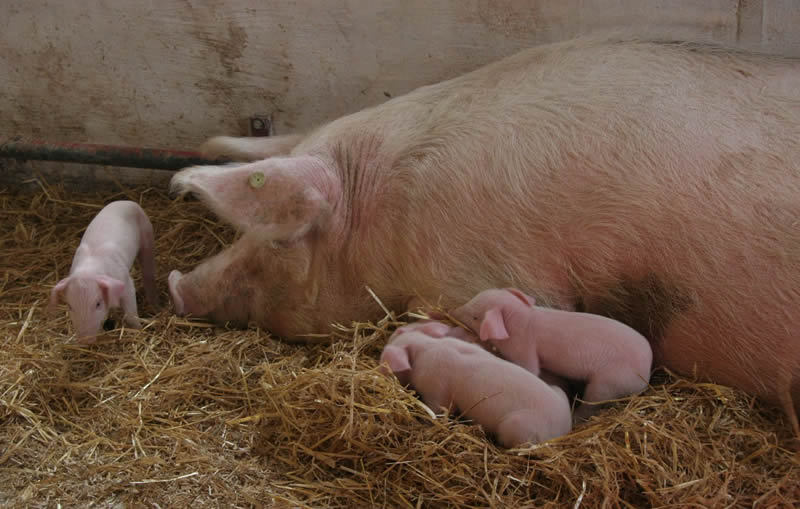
174,292
86,332
86,338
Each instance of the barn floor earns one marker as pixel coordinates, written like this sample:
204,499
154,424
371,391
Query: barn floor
184,414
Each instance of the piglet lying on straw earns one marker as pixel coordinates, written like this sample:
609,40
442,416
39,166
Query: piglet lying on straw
505,399
611,358
99,279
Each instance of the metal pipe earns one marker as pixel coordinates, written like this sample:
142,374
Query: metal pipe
112,155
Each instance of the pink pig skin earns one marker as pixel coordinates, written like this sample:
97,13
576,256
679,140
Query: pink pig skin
440,330
99,279
514,404
613,359
651,182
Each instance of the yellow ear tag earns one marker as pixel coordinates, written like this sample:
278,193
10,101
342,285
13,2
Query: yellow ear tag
256,180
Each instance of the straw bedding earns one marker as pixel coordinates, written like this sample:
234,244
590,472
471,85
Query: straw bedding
185,414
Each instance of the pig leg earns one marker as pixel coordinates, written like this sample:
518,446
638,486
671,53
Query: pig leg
787,402
518,427
177,299
249,149
128,304
438,400
147,262
612,384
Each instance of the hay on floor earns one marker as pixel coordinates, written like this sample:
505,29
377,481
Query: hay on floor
185,414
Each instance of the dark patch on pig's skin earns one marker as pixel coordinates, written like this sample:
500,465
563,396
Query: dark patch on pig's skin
647,305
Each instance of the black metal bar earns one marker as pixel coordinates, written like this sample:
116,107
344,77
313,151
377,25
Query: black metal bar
86,153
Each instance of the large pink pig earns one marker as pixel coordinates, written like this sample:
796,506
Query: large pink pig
99,279
458,376
610,357
654,183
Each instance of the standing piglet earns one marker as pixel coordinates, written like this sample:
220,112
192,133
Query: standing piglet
613,359
100,275
514,404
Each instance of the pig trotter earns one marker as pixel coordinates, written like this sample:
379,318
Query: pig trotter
249,149
177,300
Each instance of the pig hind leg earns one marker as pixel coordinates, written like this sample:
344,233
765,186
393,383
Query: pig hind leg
249,149
607,386
524,426
789,396
147,263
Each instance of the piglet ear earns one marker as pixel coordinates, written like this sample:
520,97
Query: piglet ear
493,326
527,299
396,357
58,292
111,289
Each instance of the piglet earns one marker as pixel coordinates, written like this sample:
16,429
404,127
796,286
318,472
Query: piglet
505,399
438,329
611,358
100,275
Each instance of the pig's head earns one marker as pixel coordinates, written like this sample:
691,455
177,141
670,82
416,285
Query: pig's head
289,272
89,298
486,312
289,288
398,354
285,197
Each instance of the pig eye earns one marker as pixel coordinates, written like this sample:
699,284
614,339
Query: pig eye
98,305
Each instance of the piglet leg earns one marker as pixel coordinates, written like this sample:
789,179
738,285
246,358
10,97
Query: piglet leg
147,262
610,385
128,304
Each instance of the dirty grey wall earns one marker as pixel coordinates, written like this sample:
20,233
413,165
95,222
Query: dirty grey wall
170,73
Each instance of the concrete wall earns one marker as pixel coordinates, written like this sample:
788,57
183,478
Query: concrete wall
170,73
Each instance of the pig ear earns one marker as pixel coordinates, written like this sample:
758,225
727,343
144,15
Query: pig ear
111,289
58,291
527,299
396,357
282,198
493,326
296,216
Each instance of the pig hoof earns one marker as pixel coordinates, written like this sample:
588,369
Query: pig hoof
177,301
225,147
132,322
178,184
